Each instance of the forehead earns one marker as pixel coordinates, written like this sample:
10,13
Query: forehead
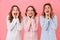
47,6
14,7
30,8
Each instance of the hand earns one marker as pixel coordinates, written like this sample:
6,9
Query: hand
16,15
47,16
32,17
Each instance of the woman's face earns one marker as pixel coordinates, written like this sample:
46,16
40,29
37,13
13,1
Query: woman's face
15,12
47,9
30,12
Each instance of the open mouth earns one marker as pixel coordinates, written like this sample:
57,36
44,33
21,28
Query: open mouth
15,14
47,11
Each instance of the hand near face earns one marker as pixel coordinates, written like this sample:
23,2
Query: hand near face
47,16
32,16
47,11
15,12
30,12
15,15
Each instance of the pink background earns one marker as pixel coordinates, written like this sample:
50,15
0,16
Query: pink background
5,6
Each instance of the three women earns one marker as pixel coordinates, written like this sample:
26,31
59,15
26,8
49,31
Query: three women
48,23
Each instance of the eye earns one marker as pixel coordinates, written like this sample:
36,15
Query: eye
31,10
48,7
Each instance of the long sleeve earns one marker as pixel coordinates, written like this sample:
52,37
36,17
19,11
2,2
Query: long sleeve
10,26
44,23
26,24
19,25
35,24
53,23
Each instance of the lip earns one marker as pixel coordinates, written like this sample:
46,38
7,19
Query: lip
47,11
15,13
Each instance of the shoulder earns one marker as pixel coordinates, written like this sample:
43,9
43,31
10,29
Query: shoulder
41,17
55,17
24,18
36,17
7,17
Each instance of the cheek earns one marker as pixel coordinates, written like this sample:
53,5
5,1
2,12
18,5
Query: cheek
13,14
18,14
50,10
45,10
33,12
28,13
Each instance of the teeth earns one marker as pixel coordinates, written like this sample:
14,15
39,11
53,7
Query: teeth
15,13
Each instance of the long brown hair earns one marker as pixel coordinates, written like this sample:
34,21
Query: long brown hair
51,14
10,13
33,10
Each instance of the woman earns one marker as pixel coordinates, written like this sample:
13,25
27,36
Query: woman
14,24
31,24
48,23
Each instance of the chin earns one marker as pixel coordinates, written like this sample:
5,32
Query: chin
30,15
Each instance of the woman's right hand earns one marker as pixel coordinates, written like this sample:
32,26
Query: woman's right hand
47,16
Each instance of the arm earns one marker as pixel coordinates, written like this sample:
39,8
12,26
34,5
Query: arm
19,25
53,23
44,23
26,24
35,24
11,25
